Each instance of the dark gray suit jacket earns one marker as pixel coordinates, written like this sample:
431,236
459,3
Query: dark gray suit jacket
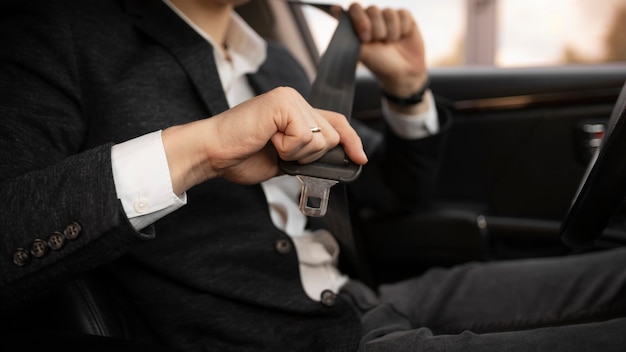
77,77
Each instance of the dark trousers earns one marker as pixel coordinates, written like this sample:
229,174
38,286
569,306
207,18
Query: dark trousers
573,303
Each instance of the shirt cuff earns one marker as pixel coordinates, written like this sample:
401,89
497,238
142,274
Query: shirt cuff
413,126
142,180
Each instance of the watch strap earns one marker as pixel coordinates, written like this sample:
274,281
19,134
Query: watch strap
413,99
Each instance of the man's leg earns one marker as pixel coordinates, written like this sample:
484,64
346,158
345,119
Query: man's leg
566,302
606,336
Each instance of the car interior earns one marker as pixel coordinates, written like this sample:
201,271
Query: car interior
532,168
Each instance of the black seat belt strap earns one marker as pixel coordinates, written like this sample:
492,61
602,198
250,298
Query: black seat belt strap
333,89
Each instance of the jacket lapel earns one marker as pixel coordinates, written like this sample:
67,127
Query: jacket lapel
193,53
280,69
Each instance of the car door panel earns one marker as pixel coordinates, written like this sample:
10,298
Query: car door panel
519,145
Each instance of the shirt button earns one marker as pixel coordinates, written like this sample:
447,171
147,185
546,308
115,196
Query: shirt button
328,298
282,246
72,231
141,206
21,257
39,248
56,241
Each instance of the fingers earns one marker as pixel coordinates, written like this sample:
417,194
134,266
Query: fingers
375,24
393,25
361,22
350,140
407,22
301,142
345,135
294,138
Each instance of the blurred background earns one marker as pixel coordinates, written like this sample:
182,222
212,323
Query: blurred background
506,33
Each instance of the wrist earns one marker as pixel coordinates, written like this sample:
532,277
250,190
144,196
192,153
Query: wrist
185,156
409,100
411,110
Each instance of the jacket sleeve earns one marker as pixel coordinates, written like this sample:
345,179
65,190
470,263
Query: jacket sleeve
401,173
59,213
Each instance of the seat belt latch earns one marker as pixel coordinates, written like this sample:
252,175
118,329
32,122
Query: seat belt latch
319,176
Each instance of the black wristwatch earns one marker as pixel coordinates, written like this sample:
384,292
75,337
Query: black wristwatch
410,100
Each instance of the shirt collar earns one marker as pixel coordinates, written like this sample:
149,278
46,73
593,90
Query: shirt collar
246,48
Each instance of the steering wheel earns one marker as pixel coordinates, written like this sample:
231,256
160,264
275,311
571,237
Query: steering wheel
603,186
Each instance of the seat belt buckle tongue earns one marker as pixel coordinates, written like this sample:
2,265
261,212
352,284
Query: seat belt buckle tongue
314,195
319,176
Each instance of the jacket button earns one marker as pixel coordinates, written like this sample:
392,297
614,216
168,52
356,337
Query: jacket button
56,241
39,248
72,231
282,246
21,257
328,298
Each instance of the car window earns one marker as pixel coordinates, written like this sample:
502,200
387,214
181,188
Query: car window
506,33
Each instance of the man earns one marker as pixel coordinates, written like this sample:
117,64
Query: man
119,151
104,73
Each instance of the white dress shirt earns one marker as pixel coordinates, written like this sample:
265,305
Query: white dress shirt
143,182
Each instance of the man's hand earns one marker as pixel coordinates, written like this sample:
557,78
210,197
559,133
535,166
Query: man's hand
392,48
242,144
